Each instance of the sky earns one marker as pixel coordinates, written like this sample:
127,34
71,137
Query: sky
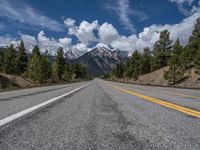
82,24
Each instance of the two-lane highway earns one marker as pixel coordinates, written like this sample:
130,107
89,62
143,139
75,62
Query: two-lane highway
103,115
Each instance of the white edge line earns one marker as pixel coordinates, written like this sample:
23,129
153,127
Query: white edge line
36,107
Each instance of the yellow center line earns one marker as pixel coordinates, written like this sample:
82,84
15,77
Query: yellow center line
182,109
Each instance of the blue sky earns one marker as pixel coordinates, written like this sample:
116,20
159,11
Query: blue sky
81,24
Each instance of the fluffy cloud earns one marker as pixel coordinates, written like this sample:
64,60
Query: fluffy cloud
80,47
107,33
7,40
69,22
151,34
41,40
52,44
84,32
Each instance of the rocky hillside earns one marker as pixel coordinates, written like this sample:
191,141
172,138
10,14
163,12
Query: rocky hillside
191,79
12,81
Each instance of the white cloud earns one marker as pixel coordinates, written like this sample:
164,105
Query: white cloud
107,33
84,32
123,13
22,13
29,41
69,22
80,47
122,9
52,44
151,34
7,40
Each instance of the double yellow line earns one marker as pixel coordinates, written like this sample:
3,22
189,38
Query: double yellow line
182,109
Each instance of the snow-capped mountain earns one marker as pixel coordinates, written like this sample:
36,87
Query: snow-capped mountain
71,54
101,59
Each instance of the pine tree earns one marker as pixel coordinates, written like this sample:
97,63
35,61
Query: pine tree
55,71
45,68
194,44
194,40
67,73
145,62
60,63
34,71
1,61
129,70
10,60
190,55
119,70
79,71
21,59
175,72
162,49
36,50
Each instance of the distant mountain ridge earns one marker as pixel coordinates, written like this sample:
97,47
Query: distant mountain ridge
98,60
101,60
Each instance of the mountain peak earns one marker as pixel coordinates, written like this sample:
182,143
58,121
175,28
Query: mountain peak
102,46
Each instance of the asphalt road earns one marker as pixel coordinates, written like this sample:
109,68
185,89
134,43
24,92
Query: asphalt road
103,115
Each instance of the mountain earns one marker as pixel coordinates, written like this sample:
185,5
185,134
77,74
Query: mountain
71,54
101,60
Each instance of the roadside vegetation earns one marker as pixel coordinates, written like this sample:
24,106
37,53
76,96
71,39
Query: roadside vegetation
165,53
37,66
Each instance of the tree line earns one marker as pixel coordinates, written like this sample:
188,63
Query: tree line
165,53
37,66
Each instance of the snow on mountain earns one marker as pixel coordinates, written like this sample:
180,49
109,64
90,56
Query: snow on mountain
101,59
71,54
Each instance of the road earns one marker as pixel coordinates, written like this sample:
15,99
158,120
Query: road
103,115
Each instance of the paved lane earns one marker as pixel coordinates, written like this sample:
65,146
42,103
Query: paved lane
102,117
15,101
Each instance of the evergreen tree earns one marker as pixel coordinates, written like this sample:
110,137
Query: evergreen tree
119,70
145,62
36,50
190,55
162,50
9,60
45,69
194,40
1,61
55,71
61,63
67,73
194,44
34,71
79,71
175,71
21,59
129,69
39,67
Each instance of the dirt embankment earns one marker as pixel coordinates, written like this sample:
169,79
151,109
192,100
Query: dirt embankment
12,82
191,79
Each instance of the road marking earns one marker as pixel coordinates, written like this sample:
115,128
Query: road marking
37,107
184,95
162,103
